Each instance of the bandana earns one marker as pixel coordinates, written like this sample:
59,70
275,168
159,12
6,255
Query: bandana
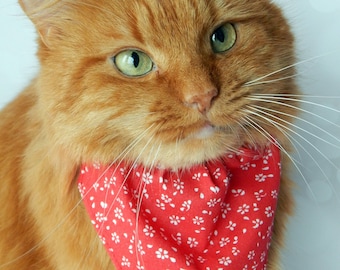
213,216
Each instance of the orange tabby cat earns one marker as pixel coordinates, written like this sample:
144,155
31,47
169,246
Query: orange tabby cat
117,75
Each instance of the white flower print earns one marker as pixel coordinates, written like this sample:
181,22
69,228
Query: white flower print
189,259
140,248
139,266
235,242
95,186
269,231
231,226
115,237
275,194
266,157
260,177
213,202
254,267
224,241
192,242
84,170
102,239
147,178
245,166
121,203
186,205
260,195
119,214
175,220
238,192
225,208
225,261
96,165
269,211
243,209
100,217
198,220
82,189
125,262
125,190
177,238
251,255
137,194
166,198
179,186
122,171
149,231
201,259
164,183
162,254
196,176
257,223
226,181
109,181
217,173
235,251
160,204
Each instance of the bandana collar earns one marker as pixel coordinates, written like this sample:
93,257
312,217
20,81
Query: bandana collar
211,216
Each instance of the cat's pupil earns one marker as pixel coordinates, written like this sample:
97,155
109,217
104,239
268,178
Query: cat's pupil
135,58
219,35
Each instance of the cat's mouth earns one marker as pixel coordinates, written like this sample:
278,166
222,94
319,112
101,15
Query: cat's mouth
208,130
205,132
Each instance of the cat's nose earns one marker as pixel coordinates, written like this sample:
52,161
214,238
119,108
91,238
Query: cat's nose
201,101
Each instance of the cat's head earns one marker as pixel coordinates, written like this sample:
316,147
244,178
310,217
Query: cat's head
162,82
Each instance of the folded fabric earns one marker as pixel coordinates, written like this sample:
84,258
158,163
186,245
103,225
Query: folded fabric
216,215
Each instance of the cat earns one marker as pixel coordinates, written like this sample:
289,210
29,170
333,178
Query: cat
188,78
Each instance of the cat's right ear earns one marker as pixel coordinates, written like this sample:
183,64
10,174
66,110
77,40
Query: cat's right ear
42,13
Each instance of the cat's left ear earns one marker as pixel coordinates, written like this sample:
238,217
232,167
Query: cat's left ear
43,14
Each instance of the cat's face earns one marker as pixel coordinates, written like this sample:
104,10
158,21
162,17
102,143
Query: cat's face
161,82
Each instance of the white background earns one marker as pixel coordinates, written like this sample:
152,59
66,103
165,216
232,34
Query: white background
313,240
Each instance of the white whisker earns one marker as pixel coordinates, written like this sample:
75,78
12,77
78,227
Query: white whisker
271,81
301,101
281,127
281,103
298,118
294,161
297,127
246,131
139,203
295,95
287,67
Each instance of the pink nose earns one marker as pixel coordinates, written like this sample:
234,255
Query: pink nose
201,101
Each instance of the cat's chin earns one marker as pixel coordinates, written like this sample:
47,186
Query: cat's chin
207,131
205,144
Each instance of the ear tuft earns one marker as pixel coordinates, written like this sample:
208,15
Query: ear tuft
40,12
37,8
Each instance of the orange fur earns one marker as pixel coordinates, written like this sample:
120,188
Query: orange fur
80,108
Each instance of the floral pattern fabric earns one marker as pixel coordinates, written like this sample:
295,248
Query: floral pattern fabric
214,216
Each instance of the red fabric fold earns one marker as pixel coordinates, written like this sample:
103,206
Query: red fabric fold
213,216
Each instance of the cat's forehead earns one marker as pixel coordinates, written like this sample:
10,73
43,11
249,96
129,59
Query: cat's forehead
106,27
170,22
179,15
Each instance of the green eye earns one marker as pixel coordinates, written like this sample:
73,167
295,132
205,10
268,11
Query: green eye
133,63
223,38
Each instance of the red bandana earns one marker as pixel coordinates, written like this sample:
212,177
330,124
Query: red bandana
213,216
